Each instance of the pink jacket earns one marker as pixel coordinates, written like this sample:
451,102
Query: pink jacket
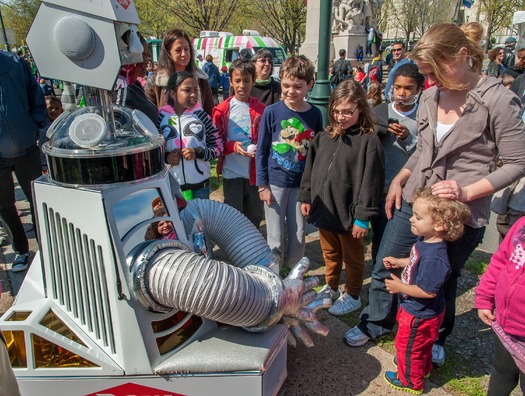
501,286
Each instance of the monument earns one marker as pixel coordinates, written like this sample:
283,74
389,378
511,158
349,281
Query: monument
351,22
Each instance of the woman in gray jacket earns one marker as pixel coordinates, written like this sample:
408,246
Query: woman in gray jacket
464,121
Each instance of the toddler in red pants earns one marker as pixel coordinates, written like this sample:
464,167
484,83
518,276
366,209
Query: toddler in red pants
420,287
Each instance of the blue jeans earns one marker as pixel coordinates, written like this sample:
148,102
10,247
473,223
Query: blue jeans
202,193
379,316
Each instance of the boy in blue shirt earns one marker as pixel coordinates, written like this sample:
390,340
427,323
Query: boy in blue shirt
224,82
286,130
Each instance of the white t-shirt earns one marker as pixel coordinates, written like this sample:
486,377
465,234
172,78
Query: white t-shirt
239,129
441,130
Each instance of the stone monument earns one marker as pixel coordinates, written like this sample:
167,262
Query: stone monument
351,21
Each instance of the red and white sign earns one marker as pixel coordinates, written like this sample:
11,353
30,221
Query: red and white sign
124,3
130,389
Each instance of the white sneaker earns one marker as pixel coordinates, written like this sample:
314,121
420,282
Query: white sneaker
355,337
344,304
438,355
327,292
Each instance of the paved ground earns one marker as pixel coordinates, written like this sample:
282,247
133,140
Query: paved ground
331,367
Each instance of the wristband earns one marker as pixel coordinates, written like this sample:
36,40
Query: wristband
260,190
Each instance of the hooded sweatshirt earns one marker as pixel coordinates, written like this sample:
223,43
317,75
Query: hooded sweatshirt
490,125
195,129
156,89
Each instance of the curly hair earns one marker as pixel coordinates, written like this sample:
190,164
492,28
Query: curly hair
448,213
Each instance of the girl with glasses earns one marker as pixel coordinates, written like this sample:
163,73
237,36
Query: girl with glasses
340,191
496,67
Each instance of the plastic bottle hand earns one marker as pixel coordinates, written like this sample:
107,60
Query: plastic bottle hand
299,306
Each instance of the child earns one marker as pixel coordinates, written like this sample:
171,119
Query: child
359,53
285,133
435,220
54,109
374,95
162,229
192,140
225,83
340,191
500,302
237,119
396,127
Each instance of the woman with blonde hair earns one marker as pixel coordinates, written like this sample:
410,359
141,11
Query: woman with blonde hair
465,121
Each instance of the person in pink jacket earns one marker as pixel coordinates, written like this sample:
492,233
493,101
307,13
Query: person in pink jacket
501,304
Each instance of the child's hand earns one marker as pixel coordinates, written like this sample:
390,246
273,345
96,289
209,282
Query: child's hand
393,285
239,150
486,316
305,209
359,232
391,262
266,196
188,153
174,157
399,130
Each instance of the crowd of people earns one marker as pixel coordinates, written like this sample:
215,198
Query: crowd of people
417,166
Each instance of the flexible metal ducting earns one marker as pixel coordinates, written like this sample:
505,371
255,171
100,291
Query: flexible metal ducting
240,240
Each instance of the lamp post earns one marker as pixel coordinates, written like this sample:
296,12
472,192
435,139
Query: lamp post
321,91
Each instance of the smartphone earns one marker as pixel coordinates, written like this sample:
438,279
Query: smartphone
393,121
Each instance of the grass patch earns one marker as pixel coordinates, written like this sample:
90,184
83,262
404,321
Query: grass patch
215,182
455,375
476,265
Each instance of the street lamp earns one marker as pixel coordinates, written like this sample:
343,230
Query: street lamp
321,91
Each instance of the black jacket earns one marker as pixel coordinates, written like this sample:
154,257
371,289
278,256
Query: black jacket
343,180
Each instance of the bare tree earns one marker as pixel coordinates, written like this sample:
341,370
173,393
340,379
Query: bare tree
196,15
284,20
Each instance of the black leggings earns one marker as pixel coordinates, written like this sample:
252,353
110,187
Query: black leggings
505,374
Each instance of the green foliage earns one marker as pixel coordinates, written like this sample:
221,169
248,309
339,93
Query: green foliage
476,265
19,15
455,376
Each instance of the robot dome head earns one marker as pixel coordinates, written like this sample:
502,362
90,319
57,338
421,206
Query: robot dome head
98,144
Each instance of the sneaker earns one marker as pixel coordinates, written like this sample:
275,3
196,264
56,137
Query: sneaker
393,381
394,360
21,262
327,292
438,355
344,305
355,337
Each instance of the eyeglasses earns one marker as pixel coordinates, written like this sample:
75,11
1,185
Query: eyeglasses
344,113
265,61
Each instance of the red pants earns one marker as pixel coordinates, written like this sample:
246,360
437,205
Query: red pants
414,340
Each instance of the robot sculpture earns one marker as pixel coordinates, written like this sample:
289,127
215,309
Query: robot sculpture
104,312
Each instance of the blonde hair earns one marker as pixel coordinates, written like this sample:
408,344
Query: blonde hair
299,67
374,93
448,213
351,91
507,80
442,44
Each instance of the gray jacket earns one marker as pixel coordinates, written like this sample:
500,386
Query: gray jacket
490,125
22,107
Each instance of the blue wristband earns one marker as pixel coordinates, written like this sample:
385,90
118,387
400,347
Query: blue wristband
361,223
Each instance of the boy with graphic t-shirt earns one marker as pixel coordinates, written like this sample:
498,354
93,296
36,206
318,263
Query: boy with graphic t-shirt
287,127
422,302
237,118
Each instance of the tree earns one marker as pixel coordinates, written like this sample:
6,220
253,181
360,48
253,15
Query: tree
19,15
193,15
154,20
498,14
284,20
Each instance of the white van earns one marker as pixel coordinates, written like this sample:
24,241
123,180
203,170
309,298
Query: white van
225,47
